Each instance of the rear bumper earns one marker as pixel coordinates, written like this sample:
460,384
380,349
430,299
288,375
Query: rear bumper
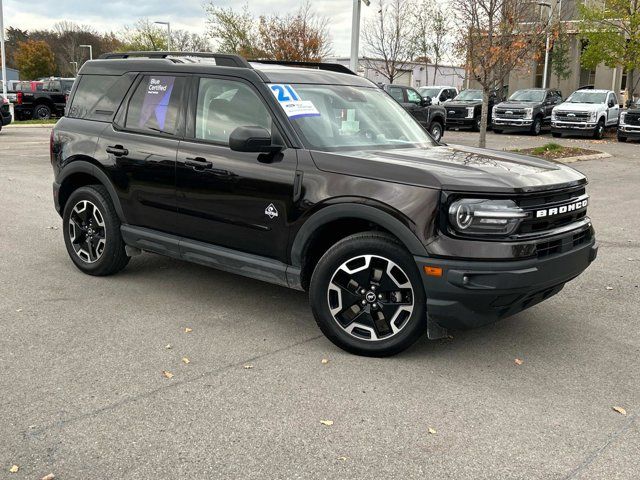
475,293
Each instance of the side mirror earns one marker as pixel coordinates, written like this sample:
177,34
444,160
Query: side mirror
425,102
252,139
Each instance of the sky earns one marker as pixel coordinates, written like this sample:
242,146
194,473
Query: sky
113,15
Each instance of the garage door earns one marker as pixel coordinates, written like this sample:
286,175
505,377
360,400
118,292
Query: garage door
404,78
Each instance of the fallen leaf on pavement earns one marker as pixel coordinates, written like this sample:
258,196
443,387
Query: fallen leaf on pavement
14,469
169,346
328,423
620,410
518,361
609,288
52,228
342,459
324,361
432,431
186,361
188,330
51,476
167,374
248,367
18,310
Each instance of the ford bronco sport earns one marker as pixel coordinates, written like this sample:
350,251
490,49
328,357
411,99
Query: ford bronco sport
310,177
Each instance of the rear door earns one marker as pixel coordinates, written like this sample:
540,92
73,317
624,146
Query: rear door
238,200
139,150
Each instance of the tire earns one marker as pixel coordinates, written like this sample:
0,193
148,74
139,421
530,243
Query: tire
91,231
556,134
477,124
41,112
373,268
536,127
497,130
598,133
622,139
436,131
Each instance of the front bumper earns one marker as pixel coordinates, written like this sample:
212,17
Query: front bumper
460,122
577,128
629,131
511,124
474,293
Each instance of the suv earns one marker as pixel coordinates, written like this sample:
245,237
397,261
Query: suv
438,94
629,127
432,117
586,112
528,110
315,179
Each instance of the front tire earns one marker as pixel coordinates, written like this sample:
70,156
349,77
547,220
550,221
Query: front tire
367,297
92,232
622,139
436,131
598,133
556,134
477,124
536,127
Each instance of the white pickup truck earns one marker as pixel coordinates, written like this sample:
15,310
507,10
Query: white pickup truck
586,112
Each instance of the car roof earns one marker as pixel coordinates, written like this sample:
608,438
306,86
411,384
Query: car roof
593,90
437,86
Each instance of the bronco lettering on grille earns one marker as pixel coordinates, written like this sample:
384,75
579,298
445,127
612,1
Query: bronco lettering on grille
571,207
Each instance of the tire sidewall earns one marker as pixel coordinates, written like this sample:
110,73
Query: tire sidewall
436,127
43,108
112,227
599,132
362,244
536,128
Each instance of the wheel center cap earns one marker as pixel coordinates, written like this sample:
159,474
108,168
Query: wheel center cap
370,297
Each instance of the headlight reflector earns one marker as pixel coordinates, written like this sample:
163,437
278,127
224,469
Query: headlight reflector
593,117
470,112
528,113
476,216
623,116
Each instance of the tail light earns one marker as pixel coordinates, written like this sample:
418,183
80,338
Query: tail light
19,98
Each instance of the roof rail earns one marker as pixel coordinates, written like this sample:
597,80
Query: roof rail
332,67
222,59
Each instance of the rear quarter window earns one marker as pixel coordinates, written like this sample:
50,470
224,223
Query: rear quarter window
98,97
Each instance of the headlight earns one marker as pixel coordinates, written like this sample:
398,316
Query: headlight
493,111
473,216
593,117
528,113
470,112
623,115
553,114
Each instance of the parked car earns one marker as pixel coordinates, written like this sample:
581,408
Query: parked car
586,112
23,86
313,179
5,112
438,94
43,103
629,127
465,110
528,110
432,117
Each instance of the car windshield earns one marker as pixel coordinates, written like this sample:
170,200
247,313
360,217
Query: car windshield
339,117
528,96
475,95
429,92
584,96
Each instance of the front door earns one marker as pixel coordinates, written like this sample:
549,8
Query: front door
233,199
613,109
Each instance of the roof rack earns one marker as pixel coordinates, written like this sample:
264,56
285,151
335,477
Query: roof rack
222,59
332,67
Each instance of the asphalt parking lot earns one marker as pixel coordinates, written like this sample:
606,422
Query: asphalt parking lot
82,394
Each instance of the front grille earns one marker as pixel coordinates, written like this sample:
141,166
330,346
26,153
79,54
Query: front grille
573,116
632,119
509,113
456,112
552,247
545,201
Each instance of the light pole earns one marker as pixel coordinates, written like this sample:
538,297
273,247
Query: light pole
355,33
2,54
90,50
168,24
547,45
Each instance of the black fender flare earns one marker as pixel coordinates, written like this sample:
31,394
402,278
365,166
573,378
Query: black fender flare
84,166
354,210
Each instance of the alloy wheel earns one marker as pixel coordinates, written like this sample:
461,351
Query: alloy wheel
87,231
370,297
436,132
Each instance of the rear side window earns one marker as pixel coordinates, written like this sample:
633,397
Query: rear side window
155,105
98,97
397,94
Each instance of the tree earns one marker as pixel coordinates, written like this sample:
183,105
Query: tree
234,32
34,59
387,39
497,37
145,36
430,31
612,37
302,37
560,54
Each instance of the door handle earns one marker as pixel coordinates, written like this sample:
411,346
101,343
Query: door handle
117,150
198,163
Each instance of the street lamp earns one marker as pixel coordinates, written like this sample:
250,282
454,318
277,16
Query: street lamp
355,33
168,33
90,50
548,44
2,55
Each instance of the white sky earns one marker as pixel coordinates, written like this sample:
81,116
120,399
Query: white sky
112,15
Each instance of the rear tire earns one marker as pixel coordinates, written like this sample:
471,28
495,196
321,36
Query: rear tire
91,231
367,296
41,112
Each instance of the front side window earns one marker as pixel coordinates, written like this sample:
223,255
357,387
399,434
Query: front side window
155,105
224,105
413,96
396,92
343,117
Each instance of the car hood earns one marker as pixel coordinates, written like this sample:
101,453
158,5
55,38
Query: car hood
579,107
452,167
514,104
462,103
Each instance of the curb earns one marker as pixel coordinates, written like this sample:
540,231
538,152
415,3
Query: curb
30,125
581,158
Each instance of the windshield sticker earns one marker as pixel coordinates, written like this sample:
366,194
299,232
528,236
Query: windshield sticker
156,100
290,101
